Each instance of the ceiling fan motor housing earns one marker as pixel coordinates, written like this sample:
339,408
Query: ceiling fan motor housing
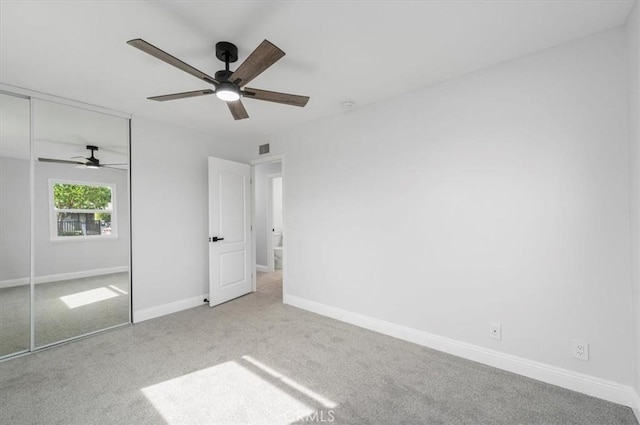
223,75
92,160
226,52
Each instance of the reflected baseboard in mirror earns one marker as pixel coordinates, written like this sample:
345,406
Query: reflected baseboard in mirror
69,308
64,309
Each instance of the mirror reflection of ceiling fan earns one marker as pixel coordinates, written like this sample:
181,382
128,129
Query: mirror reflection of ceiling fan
228,85
91,162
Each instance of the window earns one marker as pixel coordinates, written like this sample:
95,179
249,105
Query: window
82,210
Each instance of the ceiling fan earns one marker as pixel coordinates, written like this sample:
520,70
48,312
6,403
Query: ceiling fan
91,162
228,85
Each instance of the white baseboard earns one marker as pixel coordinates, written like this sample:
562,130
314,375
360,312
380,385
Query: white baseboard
161,310
596,387
62,276
636,405
260,268
10,283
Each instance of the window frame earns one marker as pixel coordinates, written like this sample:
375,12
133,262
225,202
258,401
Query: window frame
53,212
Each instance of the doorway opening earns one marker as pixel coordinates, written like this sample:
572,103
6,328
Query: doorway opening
268,226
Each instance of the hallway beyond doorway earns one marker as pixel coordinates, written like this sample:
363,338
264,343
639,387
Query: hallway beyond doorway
270,283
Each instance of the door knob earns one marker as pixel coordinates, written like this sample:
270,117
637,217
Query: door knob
215,239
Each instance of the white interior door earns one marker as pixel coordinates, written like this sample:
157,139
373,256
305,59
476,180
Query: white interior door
229,230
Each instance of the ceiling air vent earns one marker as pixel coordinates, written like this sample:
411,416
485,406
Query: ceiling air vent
263,149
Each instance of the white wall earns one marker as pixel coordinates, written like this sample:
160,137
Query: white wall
499,196
54,257
262,227
15,203
169,214
61,257
633,40
15,222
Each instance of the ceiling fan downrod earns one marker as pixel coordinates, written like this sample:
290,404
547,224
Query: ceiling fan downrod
227,53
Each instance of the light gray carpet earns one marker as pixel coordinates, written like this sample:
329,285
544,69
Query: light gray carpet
255,360
270,283
55,320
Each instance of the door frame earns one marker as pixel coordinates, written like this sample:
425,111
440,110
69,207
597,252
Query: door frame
270,252
266,160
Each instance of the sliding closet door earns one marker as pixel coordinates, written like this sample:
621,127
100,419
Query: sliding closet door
81,222
15,225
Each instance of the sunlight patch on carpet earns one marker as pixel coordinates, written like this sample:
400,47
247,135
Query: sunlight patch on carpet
224,394
88,297
115,288
291,383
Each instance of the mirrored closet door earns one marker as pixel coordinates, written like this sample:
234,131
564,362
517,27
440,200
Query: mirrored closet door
81,221
15,225
65,272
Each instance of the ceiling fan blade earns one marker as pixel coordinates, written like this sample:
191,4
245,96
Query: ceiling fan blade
183,95
272,96
60,161
113,168
152,50
107,165
265,55
237,110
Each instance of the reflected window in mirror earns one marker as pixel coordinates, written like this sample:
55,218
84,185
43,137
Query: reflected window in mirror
82,210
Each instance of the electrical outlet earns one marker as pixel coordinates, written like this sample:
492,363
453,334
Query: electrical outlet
581,350
495,331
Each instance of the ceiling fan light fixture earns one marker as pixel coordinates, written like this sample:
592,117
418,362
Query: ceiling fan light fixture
92,166
227,92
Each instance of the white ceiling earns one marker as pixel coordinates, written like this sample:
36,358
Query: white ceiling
60,131
363,51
